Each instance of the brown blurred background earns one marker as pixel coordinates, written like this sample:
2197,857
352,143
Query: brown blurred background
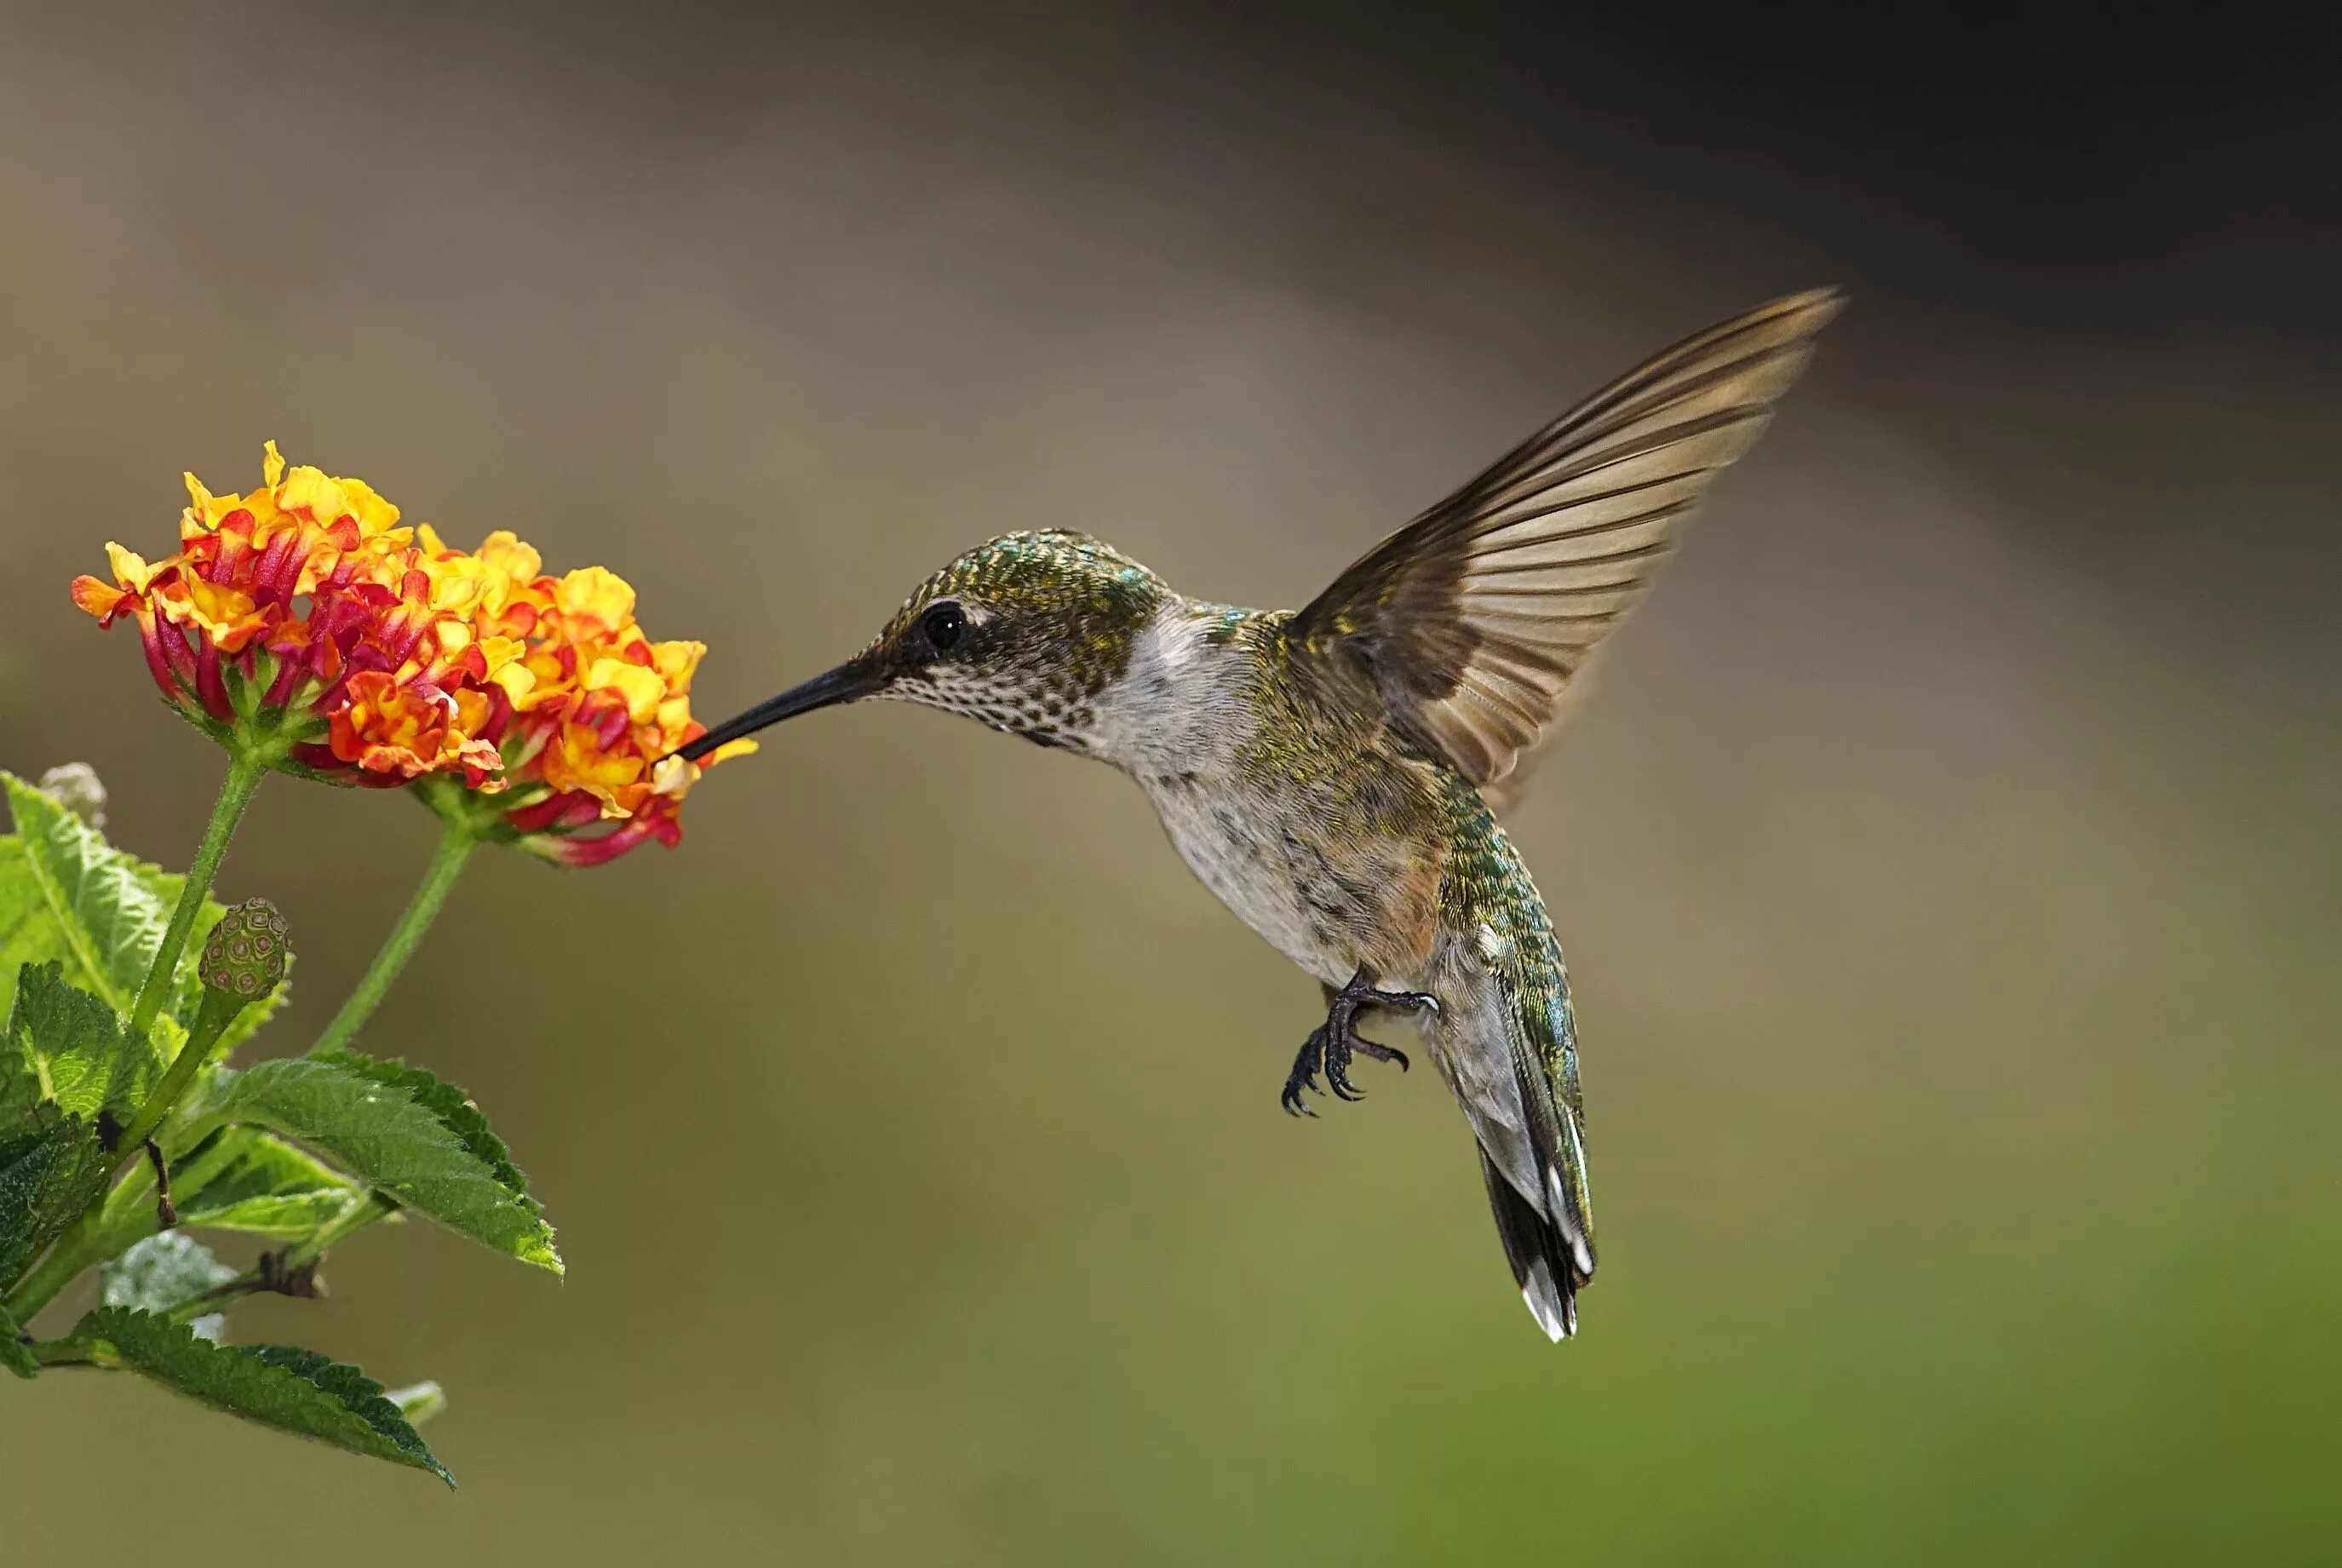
1947,864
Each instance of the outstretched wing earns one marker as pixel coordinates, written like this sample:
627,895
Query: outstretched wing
1472,620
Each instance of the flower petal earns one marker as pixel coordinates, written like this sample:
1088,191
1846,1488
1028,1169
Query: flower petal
642,688
593,594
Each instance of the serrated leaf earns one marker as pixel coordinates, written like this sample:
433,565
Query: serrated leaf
457,1111
30,1149
17,1356
51,1166
296,1391
104,914
67,894
64,1044
366,1118
161,1273
268,1188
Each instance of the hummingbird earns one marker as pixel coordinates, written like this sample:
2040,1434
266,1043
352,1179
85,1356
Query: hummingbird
1334,773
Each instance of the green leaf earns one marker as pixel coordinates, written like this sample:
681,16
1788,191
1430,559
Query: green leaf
161,1273
402,1132
457,1111
92,899
17,1356
67,894
267,1187
296,1391
64,1044
51,1166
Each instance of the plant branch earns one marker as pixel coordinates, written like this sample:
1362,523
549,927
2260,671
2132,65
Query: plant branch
457,840
244,769
277,1269
71,1352
220,1009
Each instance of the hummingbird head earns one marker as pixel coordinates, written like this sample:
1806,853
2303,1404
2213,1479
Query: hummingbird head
1021,634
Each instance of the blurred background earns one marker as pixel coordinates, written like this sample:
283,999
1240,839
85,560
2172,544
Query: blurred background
1947,864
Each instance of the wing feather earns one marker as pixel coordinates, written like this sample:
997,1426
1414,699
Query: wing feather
1474,621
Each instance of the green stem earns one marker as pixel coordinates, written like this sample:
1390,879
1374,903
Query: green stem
74,1353
244,770
456,842
129,1214
126,1219
76,1250
361,1214
220,1009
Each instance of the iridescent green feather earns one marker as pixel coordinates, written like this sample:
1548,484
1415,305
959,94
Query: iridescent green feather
1487,884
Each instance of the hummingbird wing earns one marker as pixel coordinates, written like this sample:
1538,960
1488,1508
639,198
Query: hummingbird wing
1474,621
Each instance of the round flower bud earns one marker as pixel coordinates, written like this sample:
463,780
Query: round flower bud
245,955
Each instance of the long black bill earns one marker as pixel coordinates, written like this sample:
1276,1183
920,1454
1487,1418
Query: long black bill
855,678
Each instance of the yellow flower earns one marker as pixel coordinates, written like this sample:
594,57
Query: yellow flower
593,709
307,594
385,656
640,686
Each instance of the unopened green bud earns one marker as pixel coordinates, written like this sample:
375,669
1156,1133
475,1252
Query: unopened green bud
245,956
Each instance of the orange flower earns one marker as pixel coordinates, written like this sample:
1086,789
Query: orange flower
406,730
302,610
583,706
365,651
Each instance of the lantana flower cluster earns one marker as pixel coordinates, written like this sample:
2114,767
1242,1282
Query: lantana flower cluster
367,651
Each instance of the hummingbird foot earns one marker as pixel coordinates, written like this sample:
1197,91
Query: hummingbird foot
1305,1068
1332,1044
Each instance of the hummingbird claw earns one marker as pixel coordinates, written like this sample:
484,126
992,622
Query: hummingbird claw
1403,1000
1332,1044
1338,1044
1304,1076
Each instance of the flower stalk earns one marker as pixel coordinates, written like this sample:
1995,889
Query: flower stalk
244,768
274,1269
457,839
244,961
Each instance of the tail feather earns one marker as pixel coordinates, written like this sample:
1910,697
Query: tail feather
1545,1264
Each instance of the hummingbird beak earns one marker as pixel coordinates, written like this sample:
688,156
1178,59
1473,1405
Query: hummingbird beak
855,678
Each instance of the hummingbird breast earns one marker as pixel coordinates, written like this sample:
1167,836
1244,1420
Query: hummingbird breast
1329,899
1307,818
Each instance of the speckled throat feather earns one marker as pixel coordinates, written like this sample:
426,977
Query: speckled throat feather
1056,615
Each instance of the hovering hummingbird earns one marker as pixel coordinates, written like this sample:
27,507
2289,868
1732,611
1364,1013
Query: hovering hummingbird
1333,774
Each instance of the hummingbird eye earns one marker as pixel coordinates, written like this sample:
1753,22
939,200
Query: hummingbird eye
943,627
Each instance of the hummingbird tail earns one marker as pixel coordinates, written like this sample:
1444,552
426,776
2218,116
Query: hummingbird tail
1544,1264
